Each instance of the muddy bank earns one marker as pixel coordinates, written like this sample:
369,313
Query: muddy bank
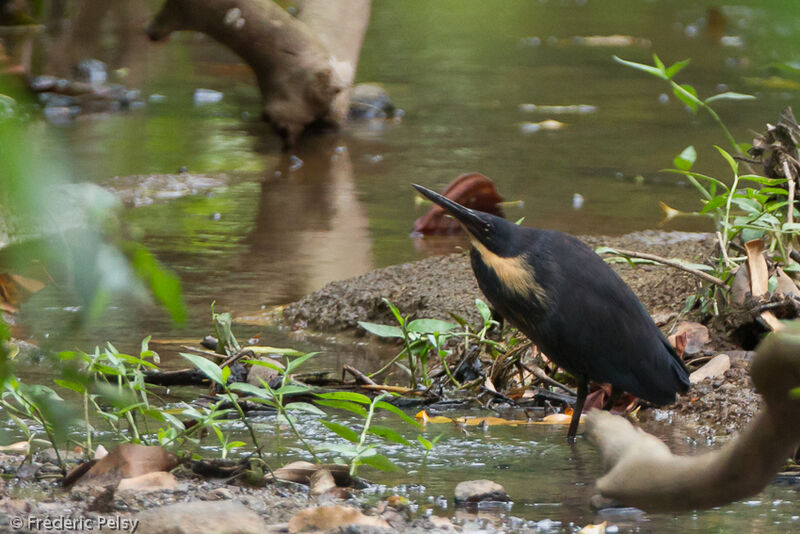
715,408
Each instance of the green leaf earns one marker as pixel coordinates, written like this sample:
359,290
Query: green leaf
291,389
305,407
344,405
791,227
676,67
163,283
381,330
395,312
346,396
425,443
397,411
762,179
291,365
519,221
714,203
74,386
732,162
430,326
658,63
729,95
484,310
688,95
226,374
341,431
685,159
209,368
236,444
379,461
346,449
642,67
263,363
388,434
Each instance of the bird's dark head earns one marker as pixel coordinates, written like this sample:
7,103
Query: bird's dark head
494,233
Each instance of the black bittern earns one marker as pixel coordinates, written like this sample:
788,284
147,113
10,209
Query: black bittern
572,305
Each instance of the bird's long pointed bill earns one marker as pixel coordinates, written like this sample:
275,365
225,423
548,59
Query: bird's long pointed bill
470,219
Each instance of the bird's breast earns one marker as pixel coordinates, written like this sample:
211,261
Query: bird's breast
512,276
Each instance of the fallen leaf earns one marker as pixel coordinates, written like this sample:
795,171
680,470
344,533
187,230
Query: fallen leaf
127,461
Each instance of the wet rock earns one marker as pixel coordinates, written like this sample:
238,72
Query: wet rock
324,518
256,373
221,517
91,71
473,491
696,336
155,481
714,368
207,96
369,101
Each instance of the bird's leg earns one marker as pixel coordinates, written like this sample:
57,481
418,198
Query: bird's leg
583,391
613,399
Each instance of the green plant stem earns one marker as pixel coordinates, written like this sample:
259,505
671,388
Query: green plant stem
447,369
89,450
363,437
244,420
300,437
391,362
413,379
726,222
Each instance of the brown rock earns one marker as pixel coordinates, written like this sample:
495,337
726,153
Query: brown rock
266,374
472,491
208,517
324,518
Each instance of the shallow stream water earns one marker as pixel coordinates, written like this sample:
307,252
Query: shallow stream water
462,71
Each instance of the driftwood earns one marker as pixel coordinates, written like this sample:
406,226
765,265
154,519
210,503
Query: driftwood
304,65
642,472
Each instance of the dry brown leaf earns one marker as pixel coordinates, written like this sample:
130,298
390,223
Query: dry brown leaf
127,461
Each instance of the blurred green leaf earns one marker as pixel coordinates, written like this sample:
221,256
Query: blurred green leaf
685,159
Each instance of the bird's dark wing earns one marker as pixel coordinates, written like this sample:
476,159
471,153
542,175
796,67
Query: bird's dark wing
595,325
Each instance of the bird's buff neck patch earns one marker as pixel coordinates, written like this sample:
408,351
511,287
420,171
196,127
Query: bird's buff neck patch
514,273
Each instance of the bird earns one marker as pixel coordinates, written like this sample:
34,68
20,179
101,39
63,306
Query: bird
559,293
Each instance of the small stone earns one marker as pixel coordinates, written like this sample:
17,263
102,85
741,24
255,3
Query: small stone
207,96
155,481
472,491
223,494
714,368
332,517
221,517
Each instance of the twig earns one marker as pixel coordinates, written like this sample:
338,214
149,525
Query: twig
539,373
360,377
238,356
671,263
